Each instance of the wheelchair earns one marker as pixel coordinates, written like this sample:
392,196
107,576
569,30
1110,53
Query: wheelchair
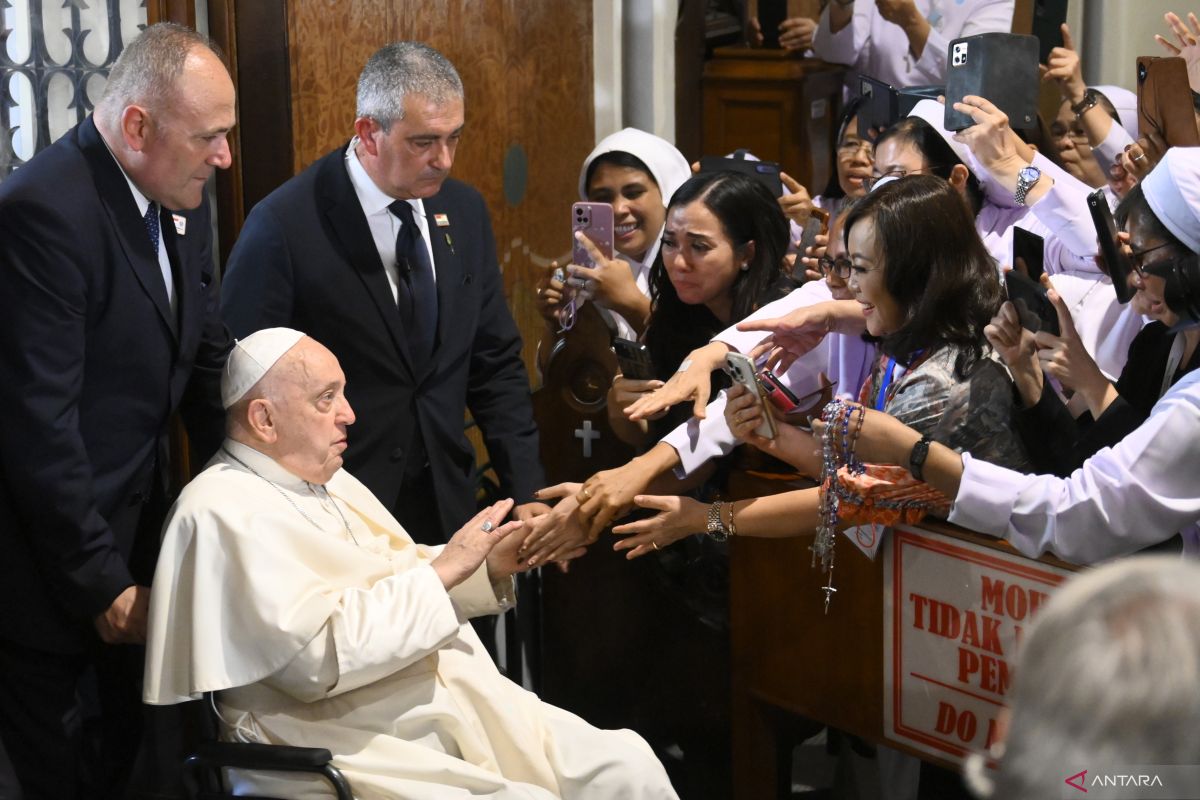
203,776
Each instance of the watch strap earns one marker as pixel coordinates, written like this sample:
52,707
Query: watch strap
716,526
1090,98
916,459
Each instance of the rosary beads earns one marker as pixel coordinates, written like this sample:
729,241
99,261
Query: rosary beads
843,422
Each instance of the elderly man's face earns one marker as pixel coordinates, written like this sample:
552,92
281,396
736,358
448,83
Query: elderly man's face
311,414
186,141
414,158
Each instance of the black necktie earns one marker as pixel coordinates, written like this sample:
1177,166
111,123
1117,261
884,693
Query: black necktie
418,291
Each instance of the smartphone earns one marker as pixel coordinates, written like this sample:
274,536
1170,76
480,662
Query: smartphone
771,14
780,396
1165,101
1048,17
884,105
1001,67
634,359
1033,305
741,369
817,225
595,220
1116,262
765,172
1031,250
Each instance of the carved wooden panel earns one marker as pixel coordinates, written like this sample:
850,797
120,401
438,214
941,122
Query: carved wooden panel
527,68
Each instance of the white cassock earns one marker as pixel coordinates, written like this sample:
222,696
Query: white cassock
315,635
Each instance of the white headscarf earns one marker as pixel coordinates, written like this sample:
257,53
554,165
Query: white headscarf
667,165
1172,190
669,169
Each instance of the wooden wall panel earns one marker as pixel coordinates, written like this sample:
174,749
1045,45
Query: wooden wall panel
527,69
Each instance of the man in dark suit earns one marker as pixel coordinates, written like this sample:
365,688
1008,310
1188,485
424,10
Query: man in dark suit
110,323
374,252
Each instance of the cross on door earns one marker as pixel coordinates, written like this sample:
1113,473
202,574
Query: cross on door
587,435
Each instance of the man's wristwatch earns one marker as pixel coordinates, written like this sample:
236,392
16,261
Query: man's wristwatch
1090,98
716,527
1026,179
916,459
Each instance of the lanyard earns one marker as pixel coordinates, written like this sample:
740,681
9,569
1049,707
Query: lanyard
1173,359
884,383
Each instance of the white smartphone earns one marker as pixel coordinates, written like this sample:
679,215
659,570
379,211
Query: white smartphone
741,369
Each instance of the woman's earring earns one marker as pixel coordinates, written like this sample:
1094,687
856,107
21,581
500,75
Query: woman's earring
745,266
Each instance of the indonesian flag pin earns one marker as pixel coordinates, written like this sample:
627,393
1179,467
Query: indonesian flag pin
180,224
441,220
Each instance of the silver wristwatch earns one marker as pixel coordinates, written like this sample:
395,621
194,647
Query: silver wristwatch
716,527
1027,178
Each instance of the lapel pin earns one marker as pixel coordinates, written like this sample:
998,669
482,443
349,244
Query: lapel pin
180,224
441,220
450,244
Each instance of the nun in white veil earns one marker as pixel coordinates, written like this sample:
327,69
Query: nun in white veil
636,172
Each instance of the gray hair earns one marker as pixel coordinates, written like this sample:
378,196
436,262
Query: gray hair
148,69
398,70
1108,674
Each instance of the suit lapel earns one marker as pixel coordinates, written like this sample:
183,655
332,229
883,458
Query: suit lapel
186,283
122,212
450,277
345,216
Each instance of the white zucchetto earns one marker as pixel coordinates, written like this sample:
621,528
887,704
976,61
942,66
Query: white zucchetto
251,358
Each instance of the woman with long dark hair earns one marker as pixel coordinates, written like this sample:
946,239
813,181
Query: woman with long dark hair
722,256
927,290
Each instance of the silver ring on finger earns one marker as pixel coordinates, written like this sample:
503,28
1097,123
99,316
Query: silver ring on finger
654,545
487,526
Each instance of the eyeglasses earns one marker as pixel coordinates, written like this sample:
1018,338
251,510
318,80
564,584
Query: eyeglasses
1136,259
838,267
896,172
851,147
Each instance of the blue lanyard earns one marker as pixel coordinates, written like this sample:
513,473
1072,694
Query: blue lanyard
881,398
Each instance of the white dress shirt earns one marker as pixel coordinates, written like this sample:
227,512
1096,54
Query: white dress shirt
164,262
1124,498
385,225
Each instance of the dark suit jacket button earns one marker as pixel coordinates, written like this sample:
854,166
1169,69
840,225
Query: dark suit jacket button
398,454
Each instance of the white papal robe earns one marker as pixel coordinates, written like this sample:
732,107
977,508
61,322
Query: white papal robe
316,636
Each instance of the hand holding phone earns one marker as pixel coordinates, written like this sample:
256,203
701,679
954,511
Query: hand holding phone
634,360
1116,262
741,369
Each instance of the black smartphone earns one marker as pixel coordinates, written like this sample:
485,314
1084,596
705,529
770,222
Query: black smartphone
1030,249
634,359
1001,67
765,172
1116,263
884,105
771,14
1048,17
1033,305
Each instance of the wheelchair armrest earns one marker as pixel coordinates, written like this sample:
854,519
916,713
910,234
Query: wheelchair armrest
264,756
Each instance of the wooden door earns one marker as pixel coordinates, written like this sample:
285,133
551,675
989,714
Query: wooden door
527,69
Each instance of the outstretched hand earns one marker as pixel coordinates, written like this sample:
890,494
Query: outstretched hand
473,542
692,381
1188,36
678,518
